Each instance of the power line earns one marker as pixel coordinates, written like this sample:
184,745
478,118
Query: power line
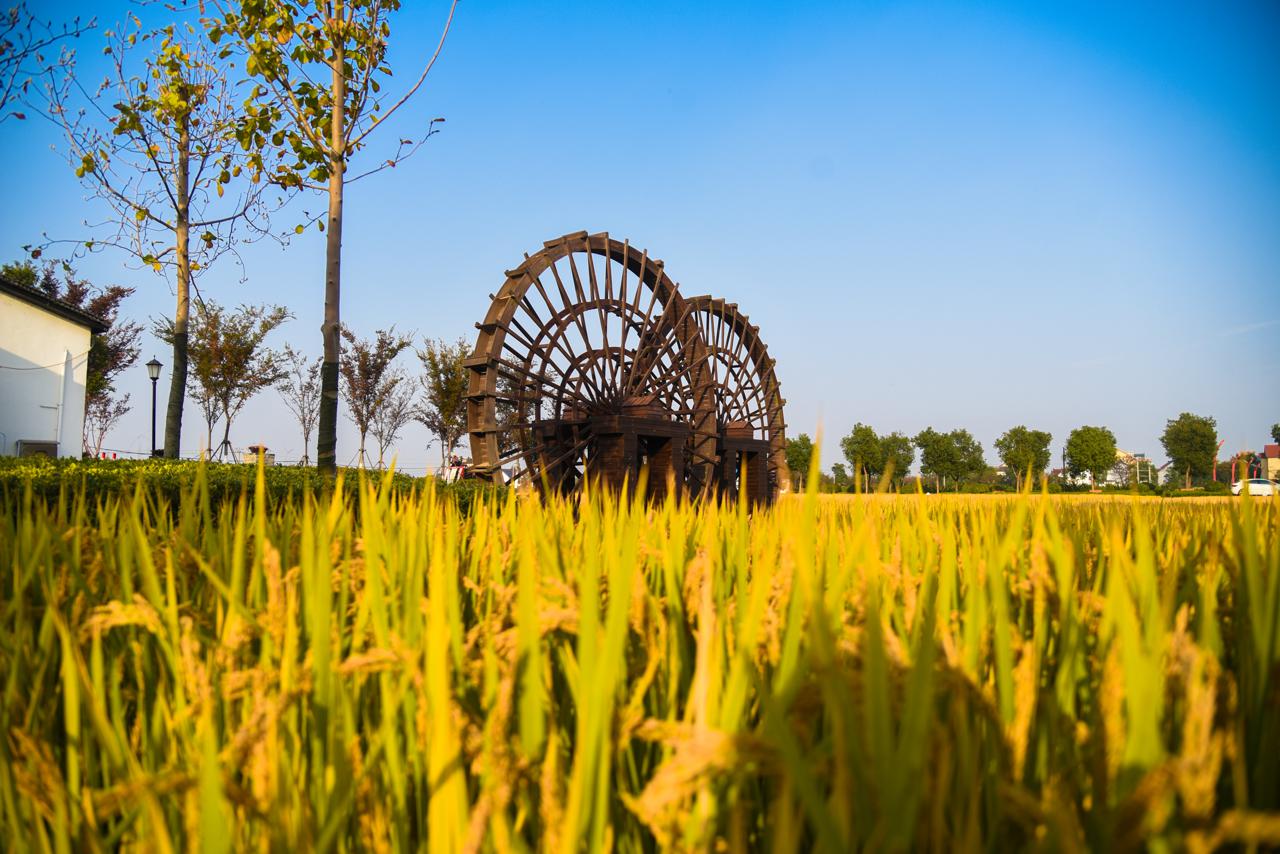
44,367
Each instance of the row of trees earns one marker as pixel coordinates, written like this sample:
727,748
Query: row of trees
950,458
231,363
186,168
1190,443
955,457
382,398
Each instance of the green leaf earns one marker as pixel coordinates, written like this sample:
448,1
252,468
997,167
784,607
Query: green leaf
215,812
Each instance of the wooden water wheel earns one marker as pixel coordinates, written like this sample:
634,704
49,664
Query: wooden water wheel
590,364
750,430
587,362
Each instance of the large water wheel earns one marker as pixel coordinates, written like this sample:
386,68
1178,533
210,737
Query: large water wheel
589,363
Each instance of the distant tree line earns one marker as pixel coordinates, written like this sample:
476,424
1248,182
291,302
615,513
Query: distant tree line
231,363
954,459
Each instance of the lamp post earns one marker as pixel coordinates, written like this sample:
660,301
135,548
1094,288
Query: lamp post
153,371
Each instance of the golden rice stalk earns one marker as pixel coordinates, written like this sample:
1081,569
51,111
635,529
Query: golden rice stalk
699,755
115,614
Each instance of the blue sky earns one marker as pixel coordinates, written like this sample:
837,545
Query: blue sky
957,215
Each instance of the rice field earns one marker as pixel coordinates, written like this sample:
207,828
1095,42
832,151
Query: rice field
384,672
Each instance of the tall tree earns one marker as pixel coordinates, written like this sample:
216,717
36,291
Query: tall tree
799,456
110,353
1275,432
100,415
366,367
1024,451
969,457
1122,473
1091,450
840,480
1191,442
899,454
303,130
27,49
955,456
862,449
396,410
300,390
231,362
936,454
245,364
202,380
443,408
156,144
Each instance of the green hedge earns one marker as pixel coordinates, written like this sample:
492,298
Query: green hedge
1175,490
1140,489
168,479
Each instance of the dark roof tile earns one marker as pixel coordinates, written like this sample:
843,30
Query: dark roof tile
54,306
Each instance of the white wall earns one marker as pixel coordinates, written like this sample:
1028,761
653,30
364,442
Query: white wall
36,401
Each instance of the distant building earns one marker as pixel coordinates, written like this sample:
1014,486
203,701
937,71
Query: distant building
1131,467
44,359
1271,462
1066,477
1128,468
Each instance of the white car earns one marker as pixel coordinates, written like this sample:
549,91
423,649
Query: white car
1257,486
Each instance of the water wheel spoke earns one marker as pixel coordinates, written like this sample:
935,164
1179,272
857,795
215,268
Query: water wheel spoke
564,456
571,305
522,374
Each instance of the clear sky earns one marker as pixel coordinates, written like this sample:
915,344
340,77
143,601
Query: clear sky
946,214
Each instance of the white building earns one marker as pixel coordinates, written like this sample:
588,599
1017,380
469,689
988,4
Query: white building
44,358
1130,466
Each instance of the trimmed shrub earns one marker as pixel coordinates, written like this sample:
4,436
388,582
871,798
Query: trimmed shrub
96,480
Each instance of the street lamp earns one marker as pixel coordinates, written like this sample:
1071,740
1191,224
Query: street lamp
153,371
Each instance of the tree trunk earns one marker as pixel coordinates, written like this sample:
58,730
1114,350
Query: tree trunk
1188,477
182,314
226,436
327,442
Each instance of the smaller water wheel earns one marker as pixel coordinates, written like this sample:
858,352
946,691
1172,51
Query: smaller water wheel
750,430
590,365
